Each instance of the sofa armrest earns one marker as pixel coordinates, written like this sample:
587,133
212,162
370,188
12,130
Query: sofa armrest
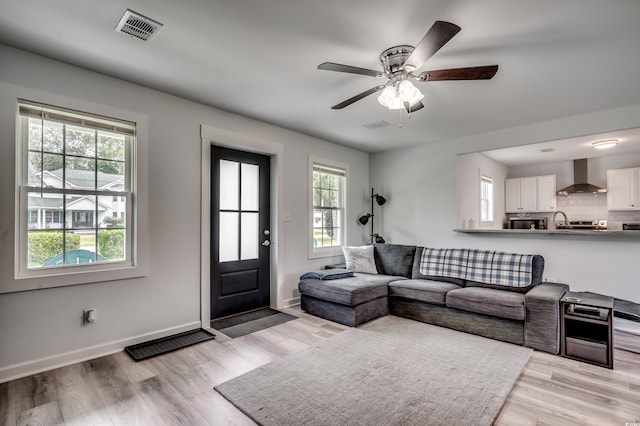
542,322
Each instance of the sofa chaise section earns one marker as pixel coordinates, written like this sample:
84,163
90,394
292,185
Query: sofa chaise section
349,301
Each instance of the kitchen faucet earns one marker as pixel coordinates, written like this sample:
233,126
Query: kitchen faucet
555,224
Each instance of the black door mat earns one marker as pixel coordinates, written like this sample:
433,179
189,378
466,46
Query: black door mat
250,322
168,344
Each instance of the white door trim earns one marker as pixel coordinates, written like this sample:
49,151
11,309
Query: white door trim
214,136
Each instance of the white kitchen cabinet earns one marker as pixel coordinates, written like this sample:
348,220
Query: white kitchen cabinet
623,189
546,193
530,194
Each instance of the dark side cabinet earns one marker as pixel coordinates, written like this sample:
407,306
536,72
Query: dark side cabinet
586,328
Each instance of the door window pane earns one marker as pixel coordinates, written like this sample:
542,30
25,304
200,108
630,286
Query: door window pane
249,236
228,237
250,187
229,185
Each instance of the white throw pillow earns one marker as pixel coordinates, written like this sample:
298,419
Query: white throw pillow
360,259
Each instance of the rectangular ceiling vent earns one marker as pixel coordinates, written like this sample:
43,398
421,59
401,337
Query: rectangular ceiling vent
376,124
138,26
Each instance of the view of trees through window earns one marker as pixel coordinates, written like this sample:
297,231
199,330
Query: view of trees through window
77,190
328,206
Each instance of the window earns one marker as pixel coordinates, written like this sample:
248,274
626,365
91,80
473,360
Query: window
486,200
327,208
72,168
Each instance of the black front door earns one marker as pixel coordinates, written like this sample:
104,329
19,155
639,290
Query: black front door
240,231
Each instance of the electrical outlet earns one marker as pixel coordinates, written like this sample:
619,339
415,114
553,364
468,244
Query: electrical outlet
89,316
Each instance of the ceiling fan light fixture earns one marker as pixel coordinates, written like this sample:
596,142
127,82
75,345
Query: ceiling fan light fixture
406,90
387,96
610,143
397,95
397,103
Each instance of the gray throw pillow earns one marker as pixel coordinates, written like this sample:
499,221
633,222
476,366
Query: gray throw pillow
360,259
394,259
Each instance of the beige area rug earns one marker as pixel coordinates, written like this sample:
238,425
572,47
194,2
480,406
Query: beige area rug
392,371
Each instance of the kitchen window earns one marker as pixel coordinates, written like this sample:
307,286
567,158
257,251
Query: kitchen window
327,218
486,200
72,166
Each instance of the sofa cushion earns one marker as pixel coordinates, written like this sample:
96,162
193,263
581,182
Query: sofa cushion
415,273
360,259
348,291
394,259
488,301
423,290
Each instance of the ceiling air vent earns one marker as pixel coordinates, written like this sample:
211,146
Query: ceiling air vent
138,26
376,124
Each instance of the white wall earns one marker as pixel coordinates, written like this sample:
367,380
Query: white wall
420,183
470,166
42,328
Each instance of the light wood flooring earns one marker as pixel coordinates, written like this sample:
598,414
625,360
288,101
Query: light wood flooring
177,388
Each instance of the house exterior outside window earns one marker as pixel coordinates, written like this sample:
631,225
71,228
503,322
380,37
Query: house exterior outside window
327,208
75,191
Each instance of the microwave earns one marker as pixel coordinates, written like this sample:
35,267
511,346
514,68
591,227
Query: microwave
527,223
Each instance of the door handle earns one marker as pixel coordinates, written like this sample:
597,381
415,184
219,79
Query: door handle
266,243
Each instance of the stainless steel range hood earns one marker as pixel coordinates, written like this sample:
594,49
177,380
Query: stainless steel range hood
580,180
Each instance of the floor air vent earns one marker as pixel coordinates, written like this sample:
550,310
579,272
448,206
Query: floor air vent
138,26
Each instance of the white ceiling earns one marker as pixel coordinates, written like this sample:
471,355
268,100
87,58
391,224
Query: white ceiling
628,141
258,58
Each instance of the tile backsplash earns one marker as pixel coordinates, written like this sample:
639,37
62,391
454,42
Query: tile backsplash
583,206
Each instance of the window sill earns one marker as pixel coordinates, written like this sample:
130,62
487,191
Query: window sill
323,253
66,277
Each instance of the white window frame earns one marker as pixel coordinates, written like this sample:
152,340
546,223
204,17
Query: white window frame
136,264
336,250
490,210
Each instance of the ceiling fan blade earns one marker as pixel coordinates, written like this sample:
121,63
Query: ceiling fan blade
330,66
470,73
414,108
437,36
358,97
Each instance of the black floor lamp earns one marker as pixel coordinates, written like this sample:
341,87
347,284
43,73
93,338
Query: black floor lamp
369,217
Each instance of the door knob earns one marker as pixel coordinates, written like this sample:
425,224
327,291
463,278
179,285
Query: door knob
266,243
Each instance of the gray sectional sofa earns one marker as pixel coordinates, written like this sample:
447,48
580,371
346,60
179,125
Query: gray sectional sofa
488,293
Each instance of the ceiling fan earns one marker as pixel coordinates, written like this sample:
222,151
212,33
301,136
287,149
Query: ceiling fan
399,64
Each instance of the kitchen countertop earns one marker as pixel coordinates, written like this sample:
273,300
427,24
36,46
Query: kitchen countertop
592,232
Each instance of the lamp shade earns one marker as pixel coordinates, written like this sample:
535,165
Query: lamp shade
380,199
364,219
378,239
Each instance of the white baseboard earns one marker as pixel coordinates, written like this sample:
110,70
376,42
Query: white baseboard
27,368
288,303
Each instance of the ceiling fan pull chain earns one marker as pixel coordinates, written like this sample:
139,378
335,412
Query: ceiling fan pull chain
400,123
